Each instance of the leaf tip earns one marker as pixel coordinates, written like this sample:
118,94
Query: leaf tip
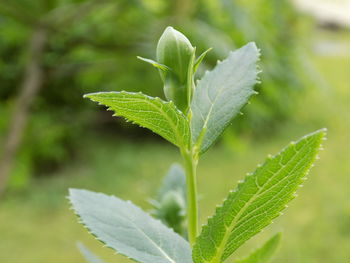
88,95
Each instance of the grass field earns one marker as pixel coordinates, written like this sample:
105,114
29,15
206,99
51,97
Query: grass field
37,226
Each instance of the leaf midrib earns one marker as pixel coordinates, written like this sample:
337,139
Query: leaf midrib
221,247
164,130
262,191
154,244
173,126
143,233
212,102
179,138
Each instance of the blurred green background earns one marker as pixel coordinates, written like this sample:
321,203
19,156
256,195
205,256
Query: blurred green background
54,51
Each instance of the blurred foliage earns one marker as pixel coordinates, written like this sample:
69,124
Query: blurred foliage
170,204
93,46
277,29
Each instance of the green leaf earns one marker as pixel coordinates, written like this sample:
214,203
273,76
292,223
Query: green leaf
155,114
221,93
128,230
257,200
88,255
200,59
154,63
265,253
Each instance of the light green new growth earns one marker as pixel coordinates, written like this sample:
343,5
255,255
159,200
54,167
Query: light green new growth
88,255
265,253
127,229
200,59
257,201
155,114
154,64
176,52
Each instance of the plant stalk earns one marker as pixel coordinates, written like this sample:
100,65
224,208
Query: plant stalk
191,162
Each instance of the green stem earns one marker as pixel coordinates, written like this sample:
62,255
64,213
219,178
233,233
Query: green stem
192,204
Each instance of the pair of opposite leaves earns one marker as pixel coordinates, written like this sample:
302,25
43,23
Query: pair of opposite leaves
218,97
216,100
252,206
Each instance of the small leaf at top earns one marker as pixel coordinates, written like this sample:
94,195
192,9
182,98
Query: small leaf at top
200,59
128,230
155,114
221,93
265,253
257,200
154,63
88,255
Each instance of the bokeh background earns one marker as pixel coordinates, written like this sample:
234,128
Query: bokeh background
54,51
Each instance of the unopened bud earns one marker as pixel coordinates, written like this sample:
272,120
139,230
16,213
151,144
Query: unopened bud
175,51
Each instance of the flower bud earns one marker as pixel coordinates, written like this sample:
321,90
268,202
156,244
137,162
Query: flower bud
175,51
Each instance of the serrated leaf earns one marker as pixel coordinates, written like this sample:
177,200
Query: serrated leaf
155,114
88,255
265,253
128,230
221,93
257,200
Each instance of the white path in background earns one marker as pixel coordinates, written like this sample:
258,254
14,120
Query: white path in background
335,11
